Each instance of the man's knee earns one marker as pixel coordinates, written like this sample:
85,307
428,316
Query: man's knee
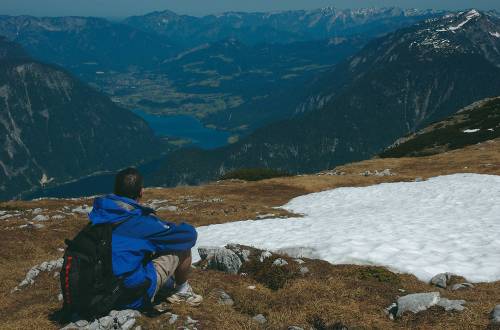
191,234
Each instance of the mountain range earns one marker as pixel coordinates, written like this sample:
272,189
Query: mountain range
395,85
54,128
233,71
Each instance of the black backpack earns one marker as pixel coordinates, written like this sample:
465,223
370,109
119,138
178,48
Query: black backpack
90,289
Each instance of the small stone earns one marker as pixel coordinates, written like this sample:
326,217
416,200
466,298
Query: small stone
495,315
299,261
138,327
225,299
264,255
190,321
293,327
259,318
441,280
303,270
417,302
461,286
70,326
251,287
60,297
280,262
81,323
40,217
418,179
106,322
37,211
128,325
95,326
173,319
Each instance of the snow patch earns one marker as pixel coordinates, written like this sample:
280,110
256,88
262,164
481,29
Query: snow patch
445,224
474,130
495,34
468,17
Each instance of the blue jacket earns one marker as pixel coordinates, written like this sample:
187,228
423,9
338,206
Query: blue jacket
138,237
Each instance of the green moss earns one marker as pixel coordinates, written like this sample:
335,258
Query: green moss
273,277
378,274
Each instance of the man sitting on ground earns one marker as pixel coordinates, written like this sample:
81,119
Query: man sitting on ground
145,248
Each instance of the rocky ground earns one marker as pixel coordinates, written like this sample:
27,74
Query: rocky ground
276,293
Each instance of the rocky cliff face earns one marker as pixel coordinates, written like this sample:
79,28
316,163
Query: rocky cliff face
53,128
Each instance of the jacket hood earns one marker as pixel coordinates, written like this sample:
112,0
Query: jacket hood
113,208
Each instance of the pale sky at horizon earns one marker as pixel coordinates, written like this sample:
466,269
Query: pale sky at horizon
123,8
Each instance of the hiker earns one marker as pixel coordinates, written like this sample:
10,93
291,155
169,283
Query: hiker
146,249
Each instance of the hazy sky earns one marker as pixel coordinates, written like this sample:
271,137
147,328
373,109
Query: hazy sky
122,8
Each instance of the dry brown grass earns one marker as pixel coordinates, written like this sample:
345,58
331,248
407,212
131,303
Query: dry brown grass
353,295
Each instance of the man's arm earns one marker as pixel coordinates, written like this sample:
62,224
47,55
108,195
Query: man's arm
164,236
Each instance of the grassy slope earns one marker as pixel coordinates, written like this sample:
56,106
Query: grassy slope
353,295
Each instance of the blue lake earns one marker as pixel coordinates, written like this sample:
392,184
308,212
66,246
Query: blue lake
185,127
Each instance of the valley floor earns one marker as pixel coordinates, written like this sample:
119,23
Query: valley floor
353,295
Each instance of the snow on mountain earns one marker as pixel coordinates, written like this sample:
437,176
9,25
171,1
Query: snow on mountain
446,224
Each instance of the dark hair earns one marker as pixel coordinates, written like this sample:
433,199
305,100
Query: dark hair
128,183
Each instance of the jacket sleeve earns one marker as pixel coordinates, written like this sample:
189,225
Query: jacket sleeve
170,237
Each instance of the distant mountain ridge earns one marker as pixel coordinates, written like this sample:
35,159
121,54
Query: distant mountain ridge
395,85
278,27
54,128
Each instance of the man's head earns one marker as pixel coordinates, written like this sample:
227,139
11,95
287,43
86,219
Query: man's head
129,183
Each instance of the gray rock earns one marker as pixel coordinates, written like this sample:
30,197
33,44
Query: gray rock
70,326
106,322
242,253
81,323
417,302
225,299
259,318
418,179
441,280
221,259
293,327
190,321
173,319
264,255
451,305
280,262
128,325
95,326
299,261
299,252
40,217
495,315
461,286
303,270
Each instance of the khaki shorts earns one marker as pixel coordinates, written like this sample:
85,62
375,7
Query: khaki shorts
165,267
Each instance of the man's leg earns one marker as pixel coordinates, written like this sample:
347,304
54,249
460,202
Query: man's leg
184,268
179,266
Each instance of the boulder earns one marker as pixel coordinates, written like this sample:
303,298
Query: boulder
242,253
417,302
220,259
441,280
495,315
